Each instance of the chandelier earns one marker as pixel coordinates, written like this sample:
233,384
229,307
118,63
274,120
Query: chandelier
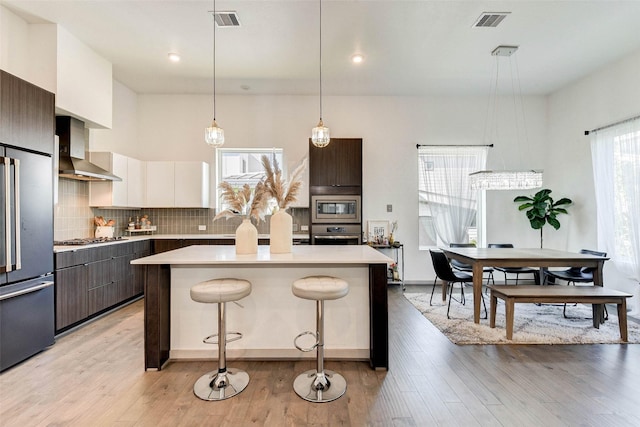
505,179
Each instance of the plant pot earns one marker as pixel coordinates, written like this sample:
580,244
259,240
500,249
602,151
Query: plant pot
281,233
246,238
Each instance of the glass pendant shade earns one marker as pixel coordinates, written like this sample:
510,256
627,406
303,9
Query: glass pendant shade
214,135
505,180
320,135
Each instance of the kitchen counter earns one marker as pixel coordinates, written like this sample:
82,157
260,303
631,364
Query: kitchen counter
356,325
65,248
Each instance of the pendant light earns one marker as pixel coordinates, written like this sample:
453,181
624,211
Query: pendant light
505,179
214,135
320,135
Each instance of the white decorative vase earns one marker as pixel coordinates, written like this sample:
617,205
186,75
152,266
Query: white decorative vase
281,233
246,238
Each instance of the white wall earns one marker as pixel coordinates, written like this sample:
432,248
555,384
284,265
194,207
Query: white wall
122,138
84,82
28,50
172,126
604,97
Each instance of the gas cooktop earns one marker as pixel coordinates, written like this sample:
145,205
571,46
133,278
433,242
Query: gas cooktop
86,241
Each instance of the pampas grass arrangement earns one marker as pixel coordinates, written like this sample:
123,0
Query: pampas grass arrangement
244,201
283,191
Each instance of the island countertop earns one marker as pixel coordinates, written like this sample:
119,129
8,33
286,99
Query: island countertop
300,254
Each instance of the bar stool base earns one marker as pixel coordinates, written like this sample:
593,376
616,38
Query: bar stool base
320,388
207,389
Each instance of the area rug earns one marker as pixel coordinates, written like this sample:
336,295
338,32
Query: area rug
533,324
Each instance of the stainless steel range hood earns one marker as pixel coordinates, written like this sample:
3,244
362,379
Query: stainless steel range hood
72,163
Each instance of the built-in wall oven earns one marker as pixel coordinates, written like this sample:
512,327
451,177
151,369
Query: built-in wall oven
336,234
336,219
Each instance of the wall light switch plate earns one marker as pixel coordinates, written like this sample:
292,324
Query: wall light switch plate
389,208
202,227
304,228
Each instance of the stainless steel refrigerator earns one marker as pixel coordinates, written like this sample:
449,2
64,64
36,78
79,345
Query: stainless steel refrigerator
26,254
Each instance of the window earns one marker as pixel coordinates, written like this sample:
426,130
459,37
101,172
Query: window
447,206
239,166
615,152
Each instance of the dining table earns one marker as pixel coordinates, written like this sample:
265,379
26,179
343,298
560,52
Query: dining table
479,258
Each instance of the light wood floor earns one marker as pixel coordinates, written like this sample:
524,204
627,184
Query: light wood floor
95,377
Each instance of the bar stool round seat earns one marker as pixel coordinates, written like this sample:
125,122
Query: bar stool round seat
319,385
224,382
320,288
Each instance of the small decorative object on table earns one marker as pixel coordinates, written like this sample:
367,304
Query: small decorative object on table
284,193
394,227
250,204
378,232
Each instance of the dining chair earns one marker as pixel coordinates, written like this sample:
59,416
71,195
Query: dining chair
575,275
515,270
467,268
445,273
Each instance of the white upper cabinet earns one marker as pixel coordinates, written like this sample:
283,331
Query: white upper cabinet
177,184
191,184
137,179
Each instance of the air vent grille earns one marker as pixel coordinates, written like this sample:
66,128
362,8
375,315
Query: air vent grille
490,19
227,19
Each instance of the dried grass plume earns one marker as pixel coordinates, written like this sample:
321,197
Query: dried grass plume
284,192
244,201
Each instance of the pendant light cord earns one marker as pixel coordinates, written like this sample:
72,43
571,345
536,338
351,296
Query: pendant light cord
214,60
320,50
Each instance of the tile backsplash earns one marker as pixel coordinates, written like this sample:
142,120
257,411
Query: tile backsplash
73,217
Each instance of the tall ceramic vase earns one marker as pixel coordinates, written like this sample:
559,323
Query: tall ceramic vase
246,238
280,233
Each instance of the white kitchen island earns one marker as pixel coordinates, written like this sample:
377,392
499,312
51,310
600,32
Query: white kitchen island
356,326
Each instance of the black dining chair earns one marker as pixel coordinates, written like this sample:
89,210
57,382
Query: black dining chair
575,275
467,268
515,270
445,273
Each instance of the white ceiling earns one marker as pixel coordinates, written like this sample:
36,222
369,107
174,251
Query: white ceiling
410,47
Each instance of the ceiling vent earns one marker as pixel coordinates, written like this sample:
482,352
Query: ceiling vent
490,19
227,19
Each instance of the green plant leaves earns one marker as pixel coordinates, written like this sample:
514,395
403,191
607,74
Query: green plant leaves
541,209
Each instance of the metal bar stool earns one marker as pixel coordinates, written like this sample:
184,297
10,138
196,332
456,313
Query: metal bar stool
224,382
319,385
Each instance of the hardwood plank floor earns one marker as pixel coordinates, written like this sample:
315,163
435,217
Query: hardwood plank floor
94,376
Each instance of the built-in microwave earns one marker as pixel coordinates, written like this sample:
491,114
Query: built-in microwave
335,209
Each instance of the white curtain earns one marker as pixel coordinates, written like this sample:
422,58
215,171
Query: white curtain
445,194
616,170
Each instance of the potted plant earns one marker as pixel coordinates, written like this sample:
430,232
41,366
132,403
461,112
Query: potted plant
541,209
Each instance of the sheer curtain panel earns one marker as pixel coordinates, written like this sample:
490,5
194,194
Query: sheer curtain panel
445,195
615,152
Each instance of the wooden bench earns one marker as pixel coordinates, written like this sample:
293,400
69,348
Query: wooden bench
595,295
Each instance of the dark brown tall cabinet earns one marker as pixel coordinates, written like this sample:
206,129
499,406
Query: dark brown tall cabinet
27,117
338,165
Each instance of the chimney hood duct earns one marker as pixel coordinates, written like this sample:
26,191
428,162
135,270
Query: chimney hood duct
72,163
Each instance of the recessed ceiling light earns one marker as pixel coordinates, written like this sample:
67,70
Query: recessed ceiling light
174,57
357,58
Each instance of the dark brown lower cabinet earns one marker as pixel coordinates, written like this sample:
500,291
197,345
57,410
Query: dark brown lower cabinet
71,296
91,280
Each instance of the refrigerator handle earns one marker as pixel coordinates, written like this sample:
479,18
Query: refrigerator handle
7,212
17,217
